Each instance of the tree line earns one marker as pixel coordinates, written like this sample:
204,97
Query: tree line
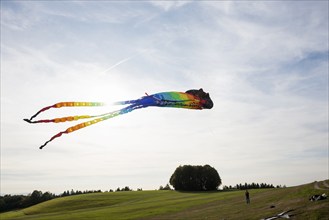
251,186
12,202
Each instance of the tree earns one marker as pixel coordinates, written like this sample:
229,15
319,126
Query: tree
126,189
47,196
35,197
195,178
167,187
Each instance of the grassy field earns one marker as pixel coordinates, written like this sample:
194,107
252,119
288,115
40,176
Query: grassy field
182,205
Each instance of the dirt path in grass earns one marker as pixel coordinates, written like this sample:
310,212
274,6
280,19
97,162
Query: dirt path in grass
325,184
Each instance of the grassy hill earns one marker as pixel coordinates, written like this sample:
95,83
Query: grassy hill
183,205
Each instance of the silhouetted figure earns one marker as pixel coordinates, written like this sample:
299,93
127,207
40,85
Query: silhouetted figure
247,197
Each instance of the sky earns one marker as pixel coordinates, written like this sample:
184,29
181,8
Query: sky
264,64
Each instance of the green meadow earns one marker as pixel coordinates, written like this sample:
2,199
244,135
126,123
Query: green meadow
162,204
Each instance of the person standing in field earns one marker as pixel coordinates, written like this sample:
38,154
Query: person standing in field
247,197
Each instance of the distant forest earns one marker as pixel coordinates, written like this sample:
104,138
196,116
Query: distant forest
251,186
13,202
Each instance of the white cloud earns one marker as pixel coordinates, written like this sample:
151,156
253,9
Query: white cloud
169,5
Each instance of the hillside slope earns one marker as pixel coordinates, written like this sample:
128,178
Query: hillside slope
183,205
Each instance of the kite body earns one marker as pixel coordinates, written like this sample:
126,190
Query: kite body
191,99
171,99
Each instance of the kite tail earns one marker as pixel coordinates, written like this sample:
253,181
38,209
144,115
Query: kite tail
127,102
65,119
91,122
65,104
55,136
81,125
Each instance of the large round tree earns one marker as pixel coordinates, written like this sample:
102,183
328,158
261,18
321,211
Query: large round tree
195,178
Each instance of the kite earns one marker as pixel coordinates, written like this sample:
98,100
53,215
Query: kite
191,99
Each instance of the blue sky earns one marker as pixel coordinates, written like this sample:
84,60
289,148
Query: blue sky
265,65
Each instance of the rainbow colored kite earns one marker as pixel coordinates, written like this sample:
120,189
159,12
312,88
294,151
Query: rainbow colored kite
191,99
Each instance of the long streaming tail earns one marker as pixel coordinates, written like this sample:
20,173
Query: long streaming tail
82,125
99,118
60,105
